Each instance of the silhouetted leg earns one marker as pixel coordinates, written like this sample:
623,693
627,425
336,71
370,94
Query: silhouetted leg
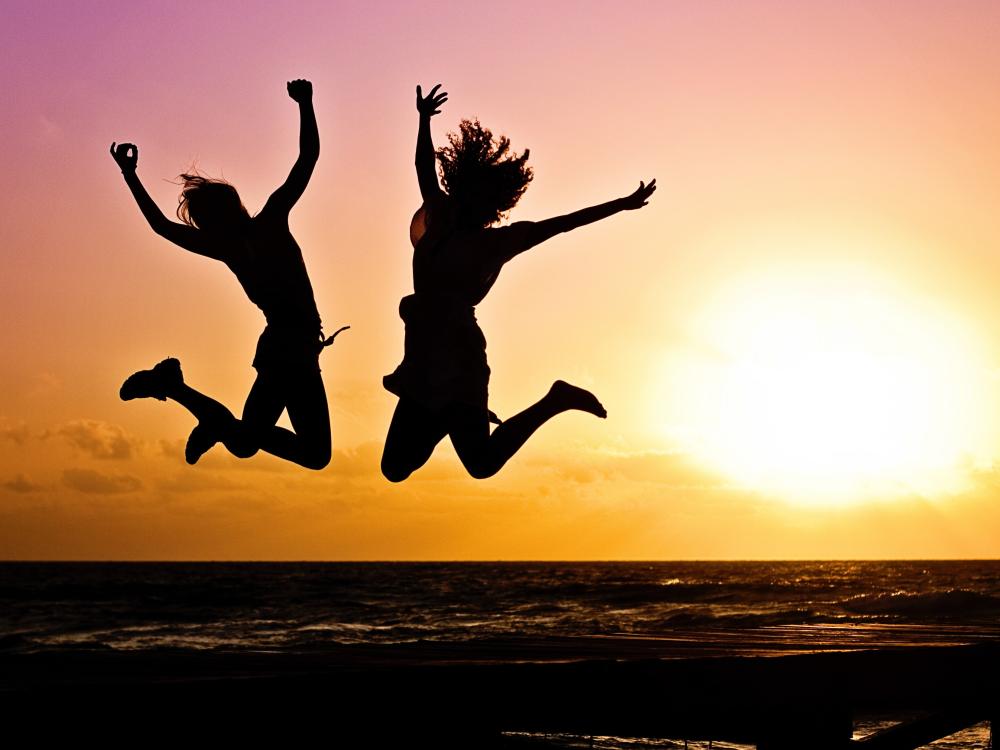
413,434
165,380
310,445
204,408
215,423
305,398
484,454
302,394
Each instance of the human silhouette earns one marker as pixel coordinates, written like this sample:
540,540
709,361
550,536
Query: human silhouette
262,253
443,380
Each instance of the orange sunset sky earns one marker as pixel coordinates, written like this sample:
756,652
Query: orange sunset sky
798,340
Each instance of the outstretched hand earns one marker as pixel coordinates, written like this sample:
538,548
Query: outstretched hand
640,197
430,105
126,156
300,90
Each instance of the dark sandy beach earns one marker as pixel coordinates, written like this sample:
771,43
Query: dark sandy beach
467,695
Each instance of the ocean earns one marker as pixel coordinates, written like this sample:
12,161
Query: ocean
725,607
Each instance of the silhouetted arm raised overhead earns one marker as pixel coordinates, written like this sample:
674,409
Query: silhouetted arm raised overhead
524,235
126,156
291,190
426,168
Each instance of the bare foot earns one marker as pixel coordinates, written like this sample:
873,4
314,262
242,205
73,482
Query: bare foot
571,397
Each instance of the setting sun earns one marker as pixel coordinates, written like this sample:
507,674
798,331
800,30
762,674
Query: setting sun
831,384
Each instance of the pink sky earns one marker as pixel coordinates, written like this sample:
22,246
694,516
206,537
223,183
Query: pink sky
878,120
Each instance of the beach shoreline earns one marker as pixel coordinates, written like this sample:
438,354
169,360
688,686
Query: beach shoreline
462,693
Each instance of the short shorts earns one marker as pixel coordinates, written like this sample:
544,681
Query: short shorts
286,351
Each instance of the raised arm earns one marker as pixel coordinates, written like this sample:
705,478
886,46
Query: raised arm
291,190
426,169
126,156
524,235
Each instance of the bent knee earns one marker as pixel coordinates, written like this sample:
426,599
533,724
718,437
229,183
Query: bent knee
317,461
481,470
395,472
242,448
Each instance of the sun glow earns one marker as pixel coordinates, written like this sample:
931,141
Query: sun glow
831,385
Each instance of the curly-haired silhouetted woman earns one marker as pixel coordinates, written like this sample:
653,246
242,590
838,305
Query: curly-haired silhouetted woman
443,380
262,253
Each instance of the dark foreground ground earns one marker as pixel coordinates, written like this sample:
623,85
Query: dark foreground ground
774,695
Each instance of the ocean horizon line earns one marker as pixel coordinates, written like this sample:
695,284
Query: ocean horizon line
500,561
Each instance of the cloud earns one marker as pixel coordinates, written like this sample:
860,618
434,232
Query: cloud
99,439
17,434
195,480
669,469
21,484
984,477
96,483
361,461
219,459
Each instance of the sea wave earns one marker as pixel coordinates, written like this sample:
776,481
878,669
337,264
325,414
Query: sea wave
961,604
307,605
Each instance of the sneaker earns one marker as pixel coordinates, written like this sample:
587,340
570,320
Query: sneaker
155,383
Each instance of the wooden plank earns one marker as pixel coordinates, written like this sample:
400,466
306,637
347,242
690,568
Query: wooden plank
919,732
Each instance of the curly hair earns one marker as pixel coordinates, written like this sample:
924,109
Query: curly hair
482,174
203,199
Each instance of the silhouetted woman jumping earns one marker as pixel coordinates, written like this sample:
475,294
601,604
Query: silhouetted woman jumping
443,380
262,253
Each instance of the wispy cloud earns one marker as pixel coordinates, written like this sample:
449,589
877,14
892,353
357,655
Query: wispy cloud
99,439
20,484
96,483
193,480
668,469
16,433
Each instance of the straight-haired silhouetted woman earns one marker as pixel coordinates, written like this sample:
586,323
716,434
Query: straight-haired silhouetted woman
262,253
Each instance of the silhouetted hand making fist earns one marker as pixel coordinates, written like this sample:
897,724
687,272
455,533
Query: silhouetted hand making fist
126,156
430,105
300,90
640,197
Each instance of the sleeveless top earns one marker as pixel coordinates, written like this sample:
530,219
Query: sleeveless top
271,270
444,351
